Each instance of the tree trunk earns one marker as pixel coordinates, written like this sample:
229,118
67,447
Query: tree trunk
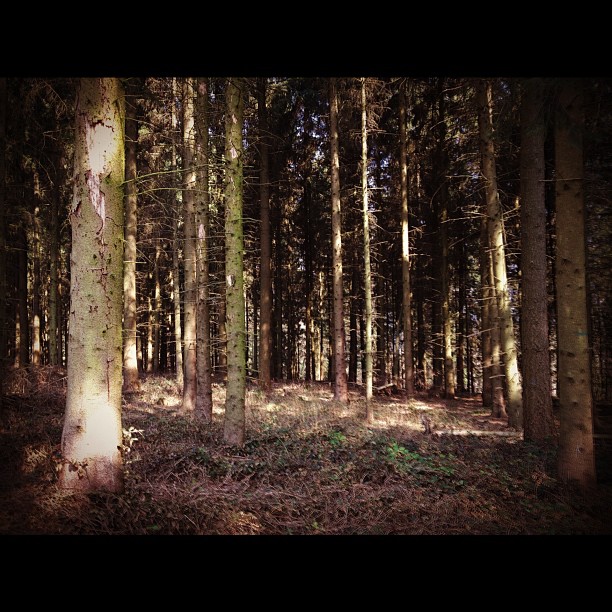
496,239
234,426
576,462
340,379
36,310
486,322
53,326
367,272
537,401
204,403
3,317
23,324
265,314
354,299
92,433
190,293
130,361
406,291
175,274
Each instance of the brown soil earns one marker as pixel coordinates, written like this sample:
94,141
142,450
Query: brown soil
309,466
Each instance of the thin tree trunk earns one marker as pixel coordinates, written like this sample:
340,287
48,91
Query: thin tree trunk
23,345
3,312
92,433
265,313
204,403
498,398
175,274
576,461
496,239
36,311
53,329
486,322
340,379
406,290
537,401
190,294
156,307
367,271
130,360
352,366
234,425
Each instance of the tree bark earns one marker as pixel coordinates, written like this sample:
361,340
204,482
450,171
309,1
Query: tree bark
576,461
204,403
130,360
190,293
234,425
537,401
340,379
36,310
175,275
265,314
406,290
92,433
496,239
367,269
3,312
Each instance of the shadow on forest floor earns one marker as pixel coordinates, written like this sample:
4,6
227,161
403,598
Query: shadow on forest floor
309,466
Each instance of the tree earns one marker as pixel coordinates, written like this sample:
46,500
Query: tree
537,402
204,404
130,358
340,378
3,320
190,295
406,291
496,240
92,433
234,424
576,462
367,273
265,274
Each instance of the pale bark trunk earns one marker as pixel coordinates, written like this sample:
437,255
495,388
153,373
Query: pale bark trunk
576,461
36,310
486,322
367,270
156,307
340,378
406,289
496,238
537,402
265,316
204,403
234,425
130,361
175,278
189,251
92,433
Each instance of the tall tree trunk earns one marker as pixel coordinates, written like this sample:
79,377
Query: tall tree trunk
486,322
340,379
130,360
234,425
190,293
204,403
367,268
156,307
23,346
53,328
265,315
92,433
496,239
576,461
537,401
3,312
354,298
406,291
175,275
36,310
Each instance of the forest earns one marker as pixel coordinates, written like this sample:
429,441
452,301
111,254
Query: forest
300,305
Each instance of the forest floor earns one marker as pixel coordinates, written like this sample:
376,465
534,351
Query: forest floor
309,466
